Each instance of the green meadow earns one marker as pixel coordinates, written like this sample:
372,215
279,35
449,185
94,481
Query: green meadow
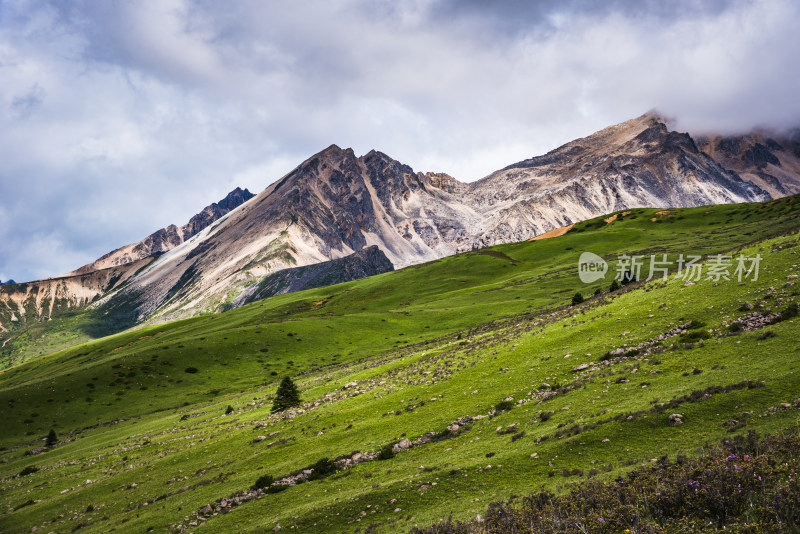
544,394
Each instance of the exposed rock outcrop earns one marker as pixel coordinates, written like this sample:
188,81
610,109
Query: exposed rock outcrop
366,262
772,162
639,163
170,237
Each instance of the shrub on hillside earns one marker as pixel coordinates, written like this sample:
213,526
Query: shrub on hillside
545,416
321,469
28,470
263,482
386,453
577,298
628,277
503,406
694,335
790,312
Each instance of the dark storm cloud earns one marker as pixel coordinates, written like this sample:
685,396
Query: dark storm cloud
117,118
520,14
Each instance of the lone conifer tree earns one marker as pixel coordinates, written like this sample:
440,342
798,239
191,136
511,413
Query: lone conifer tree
52,439
286,396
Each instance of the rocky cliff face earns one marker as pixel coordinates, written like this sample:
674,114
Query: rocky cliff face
170,237
336,204
36,302
770,162
366,262
639,163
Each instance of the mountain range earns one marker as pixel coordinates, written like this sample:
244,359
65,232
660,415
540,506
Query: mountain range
336,204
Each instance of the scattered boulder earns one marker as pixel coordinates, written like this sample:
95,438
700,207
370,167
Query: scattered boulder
675,419
402,445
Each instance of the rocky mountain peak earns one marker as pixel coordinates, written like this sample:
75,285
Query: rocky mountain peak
334,153
166,239
235,198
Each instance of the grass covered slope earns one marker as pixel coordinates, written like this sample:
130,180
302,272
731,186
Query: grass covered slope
742,485
425,354
459,279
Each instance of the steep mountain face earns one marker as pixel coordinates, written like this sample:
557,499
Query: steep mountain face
770,162
39,301
169,237
366,262
34,302
639,163
336,204
329,207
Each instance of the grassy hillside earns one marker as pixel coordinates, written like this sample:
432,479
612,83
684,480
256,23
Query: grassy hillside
145,442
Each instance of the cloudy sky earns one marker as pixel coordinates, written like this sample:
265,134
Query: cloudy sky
120,117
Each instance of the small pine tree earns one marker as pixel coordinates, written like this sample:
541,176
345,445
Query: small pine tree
598,291
614,285
229,409
286,396
577,298
52,439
